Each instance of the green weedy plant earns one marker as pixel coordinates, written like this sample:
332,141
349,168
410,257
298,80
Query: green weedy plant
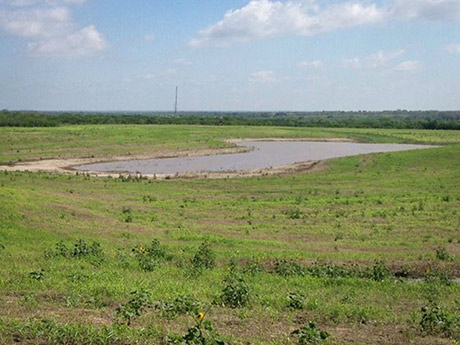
202,333
37,275
252,267
443,255
179,306
149,257
235,293
140,300
204,258
294,213
80,250
288,268
437,321
295,301
310,335
439,275
380,271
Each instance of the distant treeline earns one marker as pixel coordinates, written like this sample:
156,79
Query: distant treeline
363,119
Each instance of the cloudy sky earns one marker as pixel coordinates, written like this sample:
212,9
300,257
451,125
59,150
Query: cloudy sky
230,54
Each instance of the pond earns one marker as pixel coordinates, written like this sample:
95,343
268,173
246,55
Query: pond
262,155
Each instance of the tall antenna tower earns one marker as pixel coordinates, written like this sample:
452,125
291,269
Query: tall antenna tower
175,103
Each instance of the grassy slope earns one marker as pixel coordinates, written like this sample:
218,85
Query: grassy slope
396,207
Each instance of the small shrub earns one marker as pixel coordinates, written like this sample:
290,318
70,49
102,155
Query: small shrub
149,257
252,267
204,258
332,271
296,301
178,306
441,276
289,268
37,275
202,333
139,301
443,255
235,293
293,213
380,271
310,335
436,321
80,250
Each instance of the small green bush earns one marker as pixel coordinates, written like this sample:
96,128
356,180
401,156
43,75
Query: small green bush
140,300
437,321
204,258
235,293
37,275
296,301
310,335
289,268
179,306
149,257
443,255
380,271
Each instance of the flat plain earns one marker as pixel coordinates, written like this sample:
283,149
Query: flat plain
366,247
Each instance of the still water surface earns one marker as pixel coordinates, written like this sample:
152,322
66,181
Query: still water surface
263,154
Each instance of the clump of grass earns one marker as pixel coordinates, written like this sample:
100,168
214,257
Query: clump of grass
310,335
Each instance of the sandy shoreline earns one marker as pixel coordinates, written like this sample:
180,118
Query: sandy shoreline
67,166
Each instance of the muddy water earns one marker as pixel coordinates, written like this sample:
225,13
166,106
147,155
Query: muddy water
263,155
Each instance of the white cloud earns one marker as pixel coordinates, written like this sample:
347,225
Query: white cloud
409,66
183,62
51,2
432,10
261,18
263,77
169,72
49,29
379,59
311,64
352,63
264,18
453,48
84,42
149,37
36,23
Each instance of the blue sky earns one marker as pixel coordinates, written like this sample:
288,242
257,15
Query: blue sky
230,55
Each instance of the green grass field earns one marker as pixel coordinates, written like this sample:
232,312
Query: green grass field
358,247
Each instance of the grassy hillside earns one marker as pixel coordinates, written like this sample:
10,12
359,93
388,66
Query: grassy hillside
358,247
